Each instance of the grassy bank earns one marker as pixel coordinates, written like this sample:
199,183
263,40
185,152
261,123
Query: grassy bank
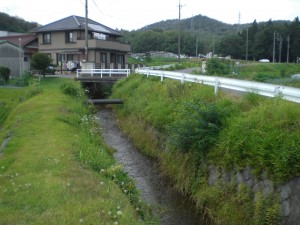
188,129
277,73
55,168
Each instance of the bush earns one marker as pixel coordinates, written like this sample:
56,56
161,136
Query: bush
40,61
217,66
24,80
196,128
4,74
73,89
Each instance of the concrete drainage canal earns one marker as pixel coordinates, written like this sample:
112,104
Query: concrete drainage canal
169,206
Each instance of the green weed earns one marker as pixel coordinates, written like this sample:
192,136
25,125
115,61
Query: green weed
50,171
174,122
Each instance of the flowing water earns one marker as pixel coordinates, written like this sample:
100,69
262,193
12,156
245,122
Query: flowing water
169,206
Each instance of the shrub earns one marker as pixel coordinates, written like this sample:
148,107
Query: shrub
40,61
4,74
24,80
196,128
217,66
73,89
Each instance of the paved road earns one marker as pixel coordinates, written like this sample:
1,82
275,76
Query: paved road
189,70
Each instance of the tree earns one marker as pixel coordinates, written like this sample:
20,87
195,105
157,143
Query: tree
294,32
40,61
232,45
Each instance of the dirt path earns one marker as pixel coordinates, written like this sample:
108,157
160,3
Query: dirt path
171,208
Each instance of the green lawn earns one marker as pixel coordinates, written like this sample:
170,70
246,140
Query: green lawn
45,177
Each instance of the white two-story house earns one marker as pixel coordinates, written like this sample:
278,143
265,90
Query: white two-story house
64,40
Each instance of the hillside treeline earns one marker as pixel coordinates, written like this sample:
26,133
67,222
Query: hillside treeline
261,39
15,24
230,42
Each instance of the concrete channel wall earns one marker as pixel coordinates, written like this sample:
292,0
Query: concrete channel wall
289,193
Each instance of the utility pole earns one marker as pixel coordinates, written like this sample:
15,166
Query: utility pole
196,46
86,58
179,6
280,39
20,57
275,36
288,48
213,52
247,44
239,23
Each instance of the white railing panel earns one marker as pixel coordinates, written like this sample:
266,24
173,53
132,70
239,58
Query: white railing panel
102,72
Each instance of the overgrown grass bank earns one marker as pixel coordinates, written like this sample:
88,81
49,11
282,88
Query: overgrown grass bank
277,73
55,168
188,129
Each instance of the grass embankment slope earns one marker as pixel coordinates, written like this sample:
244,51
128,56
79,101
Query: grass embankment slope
188,129
55,168
276,73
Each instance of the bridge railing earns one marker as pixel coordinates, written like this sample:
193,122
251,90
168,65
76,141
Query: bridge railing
102,72
270,90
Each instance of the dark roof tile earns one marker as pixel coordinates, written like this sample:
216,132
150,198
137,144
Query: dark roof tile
76,23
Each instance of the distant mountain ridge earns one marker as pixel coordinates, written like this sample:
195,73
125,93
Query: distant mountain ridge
202,25
15,24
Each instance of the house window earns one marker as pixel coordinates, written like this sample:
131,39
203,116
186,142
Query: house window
47,38
120,59
103,58
69,37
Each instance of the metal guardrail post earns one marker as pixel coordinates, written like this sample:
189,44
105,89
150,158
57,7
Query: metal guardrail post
216,87
182,78
277,91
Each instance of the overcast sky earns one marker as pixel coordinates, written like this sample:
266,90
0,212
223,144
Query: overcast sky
135,14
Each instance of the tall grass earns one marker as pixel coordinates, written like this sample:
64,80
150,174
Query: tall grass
279,73
188,129
56,169
265,138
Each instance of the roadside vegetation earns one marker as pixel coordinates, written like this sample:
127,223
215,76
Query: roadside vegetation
188,130
54,168
275,73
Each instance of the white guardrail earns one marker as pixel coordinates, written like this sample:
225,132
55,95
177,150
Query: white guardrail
102,72
270,90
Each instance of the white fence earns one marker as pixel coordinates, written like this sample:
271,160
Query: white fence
270,90
102,72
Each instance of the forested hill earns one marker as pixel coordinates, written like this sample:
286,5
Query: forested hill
15,24
199,23
201,34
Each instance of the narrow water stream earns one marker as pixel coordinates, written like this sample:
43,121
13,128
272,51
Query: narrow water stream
170,207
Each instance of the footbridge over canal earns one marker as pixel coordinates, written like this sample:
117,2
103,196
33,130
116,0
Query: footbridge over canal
101,75
97,76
